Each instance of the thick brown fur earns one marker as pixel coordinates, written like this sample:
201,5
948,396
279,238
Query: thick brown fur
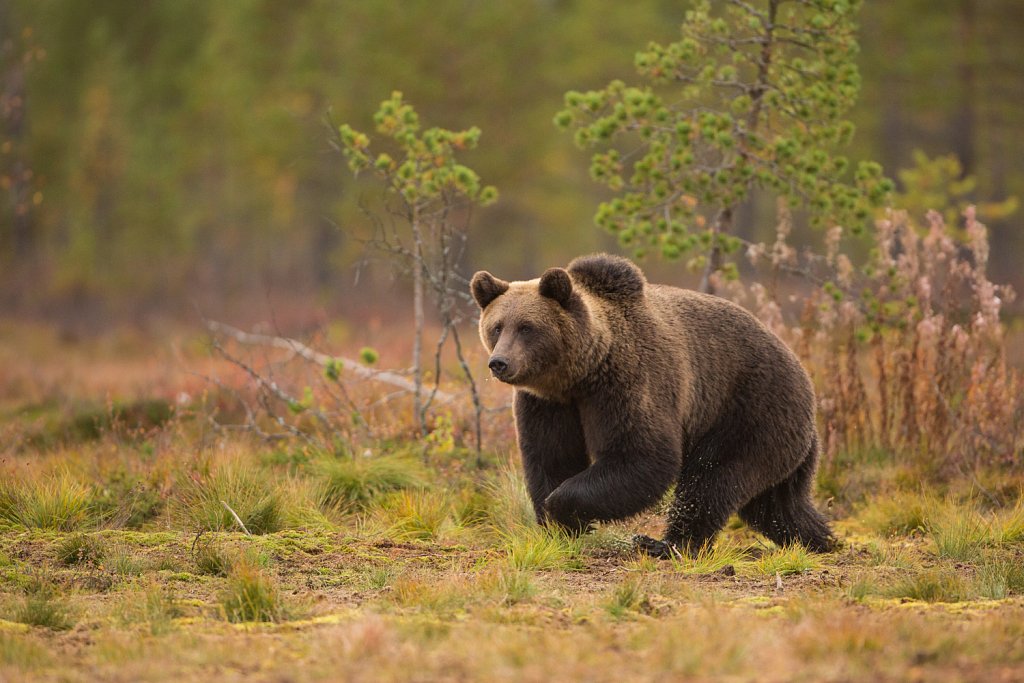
623,388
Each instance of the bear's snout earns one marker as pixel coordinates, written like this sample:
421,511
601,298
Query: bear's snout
499,366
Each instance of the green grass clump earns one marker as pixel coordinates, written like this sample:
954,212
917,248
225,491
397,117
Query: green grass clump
154,606
628,596
420,515
711,558
357,482
127,500
213,559
792,559
43,607
535,547
506,584
884,554
252,594
80,549
21,652
931,585
124,561
899,513
1000,577
1008,527
510,508
251,492
959,533
56,502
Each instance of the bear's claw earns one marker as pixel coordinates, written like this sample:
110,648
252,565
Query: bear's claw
654,548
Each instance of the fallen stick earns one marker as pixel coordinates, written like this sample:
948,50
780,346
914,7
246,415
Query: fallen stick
315,356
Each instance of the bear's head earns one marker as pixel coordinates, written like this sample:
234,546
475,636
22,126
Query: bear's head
537,332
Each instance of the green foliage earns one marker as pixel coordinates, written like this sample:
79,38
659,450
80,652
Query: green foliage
939,184
535,547
510,585
252,594
711,558
369,355
792,559
931,585
217,559
357,482
422,515
154,606
55,502
80,549
42,606
627,596
758,98
251,493
424,171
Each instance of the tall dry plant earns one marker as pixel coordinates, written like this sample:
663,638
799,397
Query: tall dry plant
907,350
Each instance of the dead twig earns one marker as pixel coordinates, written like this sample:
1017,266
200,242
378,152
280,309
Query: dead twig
297,347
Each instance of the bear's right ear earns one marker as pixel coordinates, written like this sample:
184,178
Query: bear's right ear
486,288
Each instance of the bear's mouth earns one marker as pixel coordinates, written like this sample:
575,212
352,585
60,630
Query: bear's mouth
507,376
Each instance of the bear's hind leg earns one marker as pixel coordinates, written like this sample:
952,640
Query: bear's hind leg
785,514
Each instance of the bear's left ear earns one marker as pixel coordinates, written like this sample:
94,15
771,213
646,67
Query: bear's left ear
555,284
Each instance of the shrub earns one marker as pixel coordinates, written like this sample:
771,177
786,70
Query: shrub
907,348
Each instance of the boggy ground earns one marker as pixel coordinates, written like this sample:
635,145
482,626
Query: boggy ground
411,560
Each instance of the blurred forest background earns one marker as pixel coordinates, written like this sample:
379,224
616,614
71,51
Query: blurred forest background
158,154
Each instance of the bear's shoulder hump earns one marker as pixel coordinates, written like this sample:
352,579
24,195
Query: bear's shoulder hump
608,276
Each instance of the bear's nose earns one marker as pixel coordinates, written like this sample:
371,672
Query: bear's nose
498,365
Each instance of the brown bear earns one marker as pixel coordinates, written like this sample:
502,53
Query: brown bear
623,388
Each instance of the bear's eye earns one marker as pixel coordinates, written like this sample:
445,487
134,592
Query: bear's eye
525,328
496,330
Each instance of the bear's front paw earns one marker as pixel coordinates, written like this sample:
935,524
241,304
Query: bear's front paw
654,548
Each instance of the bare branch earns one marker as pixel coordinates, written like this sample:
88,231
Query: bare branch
349,365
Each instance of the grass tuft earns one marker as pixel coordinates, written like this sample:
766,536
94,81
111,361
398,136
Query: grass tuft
791,559
263,504
901,513
959,533
999,578
711,558
212,559
931,585
420,515
252,594
628,596
44,608
80,549
21,652
510,507
535,547
358,482
509,585
56,502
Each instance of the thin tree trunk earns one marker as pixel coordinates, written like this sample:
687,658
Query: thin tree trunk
723,225
418,318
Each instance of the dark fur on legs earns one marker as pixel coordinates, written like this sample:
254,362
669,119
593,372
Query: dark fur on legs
784,512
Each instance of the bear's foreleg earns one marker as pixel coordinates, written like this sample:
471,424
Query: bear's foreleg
551,443
618,485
